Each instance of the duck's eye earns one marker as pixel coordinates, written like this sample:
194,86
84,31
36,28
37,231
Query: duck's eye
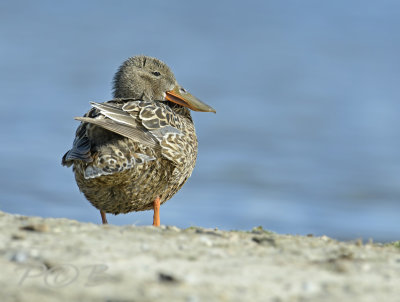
156,73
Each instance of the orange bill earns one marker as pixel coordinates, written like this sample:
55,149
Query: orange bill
180,96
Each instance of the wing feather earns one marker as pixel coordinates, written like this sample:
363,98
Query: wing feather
124,130
152,124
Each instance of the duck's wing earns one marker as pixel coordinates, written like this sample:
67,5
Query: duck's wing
165,125
113,118
149,123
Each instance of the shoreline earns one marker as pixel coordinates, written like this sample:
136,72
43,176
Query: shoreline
47,259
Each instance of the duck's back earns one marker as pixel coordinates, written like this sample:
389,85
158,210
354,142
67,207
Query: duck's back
126,153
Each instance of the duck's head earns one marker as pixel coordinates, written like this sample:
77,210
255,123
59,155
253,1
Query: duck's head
147,78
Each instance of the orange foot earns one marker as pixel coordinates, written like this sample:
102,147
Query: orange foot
156,216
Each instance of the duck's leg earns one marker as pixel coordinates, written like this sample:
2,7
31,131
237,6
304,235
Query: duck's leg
156,216
103,217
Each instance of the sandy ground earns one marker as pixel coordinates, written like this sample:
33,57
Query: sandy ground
65,260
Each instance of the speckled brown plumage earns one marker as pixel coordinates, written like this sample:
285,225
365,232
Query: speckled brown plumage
139,146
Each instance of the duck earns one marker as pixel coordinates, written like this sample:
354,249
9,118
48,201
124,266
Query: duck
135,151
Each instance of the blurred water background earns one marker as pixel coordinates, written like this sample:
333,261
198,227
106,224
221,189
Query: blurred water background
306,138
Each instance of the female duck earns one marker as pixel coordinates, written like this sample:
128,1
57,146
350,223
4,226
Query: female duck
136,151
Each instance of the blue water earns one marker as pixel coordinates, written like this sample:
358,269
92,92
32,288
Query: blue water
306,138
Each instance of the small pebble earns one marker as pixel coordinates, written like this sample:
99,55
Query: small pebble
206,241
173,228
18,236
167,278
19,257
35,228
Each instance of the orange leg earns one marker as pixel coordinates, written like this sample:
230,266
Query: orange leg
156,216
103,217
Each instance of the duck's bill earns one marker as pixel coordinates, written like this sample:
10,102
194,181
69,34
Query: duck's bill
180,96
